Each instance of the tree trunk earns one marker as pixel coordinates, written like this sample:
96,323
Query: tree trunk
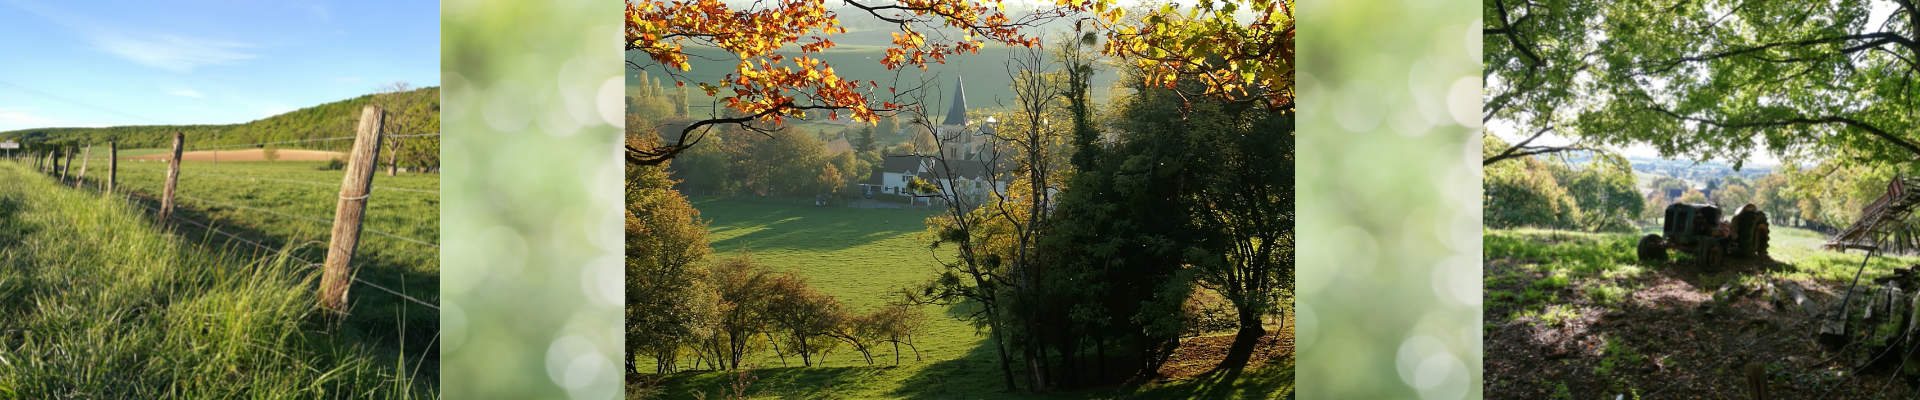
393,159
1006,364
1244,341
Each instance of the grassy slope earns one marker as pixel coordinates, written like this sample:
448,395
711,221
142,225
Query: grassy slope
408,267
95,302
858,256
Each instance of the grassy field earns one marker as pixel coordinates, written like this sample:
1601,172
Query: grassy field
1571,312
298,203
96,301
859,255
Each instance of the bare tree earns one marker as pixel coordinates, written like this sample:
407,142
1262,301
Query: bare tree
409,112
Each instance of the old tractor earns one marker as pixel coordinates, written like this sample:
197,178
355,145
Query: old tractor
1697,229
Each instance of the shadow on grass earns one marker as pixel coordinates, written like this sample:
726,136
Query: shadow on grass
387,324
804,227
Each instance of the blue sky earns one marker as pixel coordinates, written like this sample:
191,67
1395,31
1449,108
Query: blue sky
87,64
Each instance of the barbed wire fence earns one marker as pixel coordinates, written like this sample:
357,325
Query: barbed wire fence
345,226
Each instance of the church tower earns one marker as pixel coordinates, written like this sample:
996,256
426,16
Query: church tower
955,139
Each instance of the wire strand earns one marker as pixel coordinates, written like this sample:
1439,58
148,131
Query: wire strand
306,140
312,219
309,264
289,180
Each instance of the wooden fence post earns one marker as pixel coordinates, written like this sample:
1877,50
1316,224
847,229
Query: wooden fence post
354,189
82,176
173,176
68,166
113,165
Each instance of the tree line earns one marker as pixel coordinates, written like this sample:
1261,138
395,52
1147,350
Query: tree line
409,111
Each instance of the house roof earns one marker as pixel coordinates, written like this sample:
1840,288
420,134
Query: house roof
839,145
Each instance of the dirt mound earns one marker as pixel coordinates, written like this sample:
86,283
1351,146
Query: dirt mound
247,155
1199,355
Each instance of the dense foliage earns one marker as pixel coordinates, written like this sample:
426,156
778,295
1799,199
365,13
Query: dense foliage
1546,192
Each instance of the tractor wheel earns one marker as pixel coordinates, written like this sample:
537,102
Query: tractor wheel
1652,250
1709,253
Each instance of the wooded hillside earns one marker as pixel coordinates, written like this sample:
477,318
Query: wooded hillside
320,121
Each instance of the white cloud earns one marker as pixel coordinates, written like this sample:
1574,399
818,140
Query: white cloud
186,93
21,117
169,52
151,48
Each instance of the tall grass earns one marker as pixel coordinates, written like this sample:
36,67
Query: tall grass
98,302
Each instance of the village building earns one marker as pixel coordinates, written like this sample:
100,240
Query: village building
969,161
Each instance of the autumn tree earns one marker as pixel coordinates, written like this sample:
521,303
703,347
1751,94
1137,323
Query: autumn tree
805,315
665,240
1235,58
767,87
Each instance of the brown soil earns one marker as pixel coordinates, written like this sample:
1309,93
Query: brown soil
1200,355
246,155
1691,345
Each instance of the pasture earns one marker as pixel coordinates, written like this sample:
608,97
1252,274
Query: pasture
862,256
97,301
289,205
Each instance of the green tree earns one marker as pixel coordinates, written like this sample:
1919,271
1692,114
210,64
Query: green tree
1523,192
864,141
1604,190
1700,79
665,239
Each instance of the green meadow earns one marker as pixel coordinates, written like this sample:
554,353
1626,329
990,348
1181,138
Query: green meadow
860,256
290,205
99,301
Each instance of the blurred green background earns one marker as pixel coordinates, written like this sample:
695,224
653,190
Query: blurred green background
530,275
1390,199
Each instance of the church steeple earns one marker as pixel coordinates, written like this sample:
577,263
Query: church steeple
957,114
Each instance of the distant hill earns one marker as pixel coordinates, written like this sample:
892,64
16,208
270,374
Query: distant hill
325,120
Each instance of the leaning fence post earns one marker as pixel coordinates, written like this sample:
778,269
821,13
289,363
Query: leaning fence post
354,188
68,166
82,176
113,165
173,176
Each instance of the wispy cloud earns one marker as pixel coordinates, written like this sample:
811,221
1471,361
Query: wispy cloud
155,49
169,52
186,93
21,117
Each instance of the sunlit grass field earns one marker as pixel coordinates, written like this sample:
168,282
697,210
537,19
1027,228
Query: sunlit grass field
859,255
292,208
96,301
1595,261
